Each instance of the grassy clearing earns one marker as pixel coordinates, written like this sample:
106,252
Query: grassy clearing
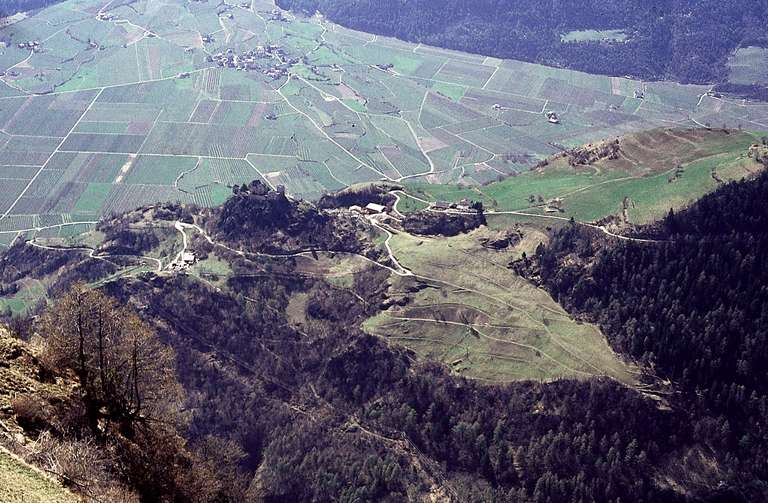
408,204
652,197
594,35
213,270
471,312
30,293
749,65
21,483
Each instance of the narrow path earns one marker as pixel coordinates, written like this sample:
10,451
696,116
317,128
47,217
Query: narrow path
92,253
401,271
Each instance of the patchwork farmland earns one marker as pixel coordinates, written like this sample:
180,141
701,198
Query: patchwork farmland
106,105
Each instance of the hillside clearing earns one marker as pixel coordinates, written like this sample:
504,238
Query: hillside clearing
466,309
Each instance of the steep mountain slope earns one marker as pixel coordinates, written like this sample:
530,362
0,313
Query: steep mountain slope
275,366
692,305
685,41
19,379
22,483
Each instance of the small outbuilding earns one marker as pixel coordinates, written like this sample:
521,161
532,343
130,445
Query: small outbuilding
553,118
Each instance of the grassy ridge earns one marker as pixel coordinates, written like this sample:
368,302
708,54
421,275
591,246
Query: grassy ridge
644,172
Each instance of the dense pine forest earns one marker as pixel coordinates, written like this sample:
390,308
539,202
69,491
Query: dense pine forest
685,41
693,306
9,7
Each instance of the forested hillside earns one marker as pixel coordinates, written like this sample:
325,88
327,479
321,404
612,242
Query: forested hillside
286,399
686,41
694,306
9,7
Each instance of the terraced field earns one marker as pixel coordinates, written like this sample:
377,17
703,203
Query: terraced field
467,309
108,105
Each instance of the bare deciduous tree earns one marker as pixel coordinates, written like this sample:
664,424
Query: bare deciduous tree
125,373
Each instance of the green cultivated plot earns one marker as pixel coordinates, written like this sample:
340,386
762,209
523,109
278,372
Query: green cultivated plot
127,103
150,170
92,198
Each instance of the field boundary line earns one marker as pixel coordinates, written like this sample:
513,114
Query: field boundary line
88,108
310,119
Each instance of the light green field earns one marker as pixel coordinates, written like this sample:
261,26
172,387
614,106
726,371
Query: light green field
159,170
20,483
453,91
651,197
29,294
408,204
474,314
94,196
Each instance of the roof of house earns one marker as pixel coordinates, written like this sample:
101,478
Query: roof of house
375,207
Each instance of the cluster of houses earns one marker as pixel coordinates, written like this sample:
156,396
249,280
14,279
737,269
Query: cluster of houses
32,44
106,16
183,262
248,60
230,59
463,205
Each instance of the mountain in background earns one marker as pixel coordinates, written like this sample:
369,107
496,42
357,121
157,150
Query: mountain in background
688,41
9,7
